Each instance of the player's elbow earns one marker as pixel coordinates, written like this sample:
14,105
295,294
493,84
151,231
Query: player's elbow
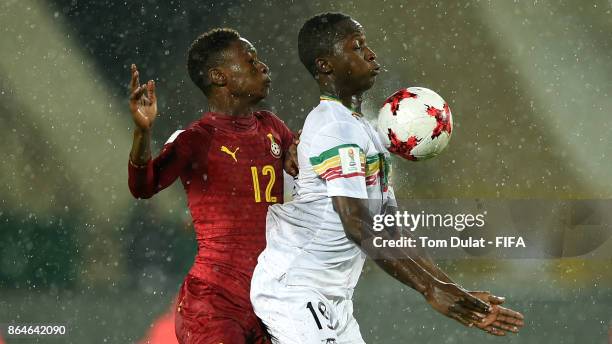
350,213
351,225
353,232
140,193
142,196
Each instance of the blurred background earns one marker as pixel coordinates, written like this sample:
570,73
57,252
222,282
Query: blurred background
528,83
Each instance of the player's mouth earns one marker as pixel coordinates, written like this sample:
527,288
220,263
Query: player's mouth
375,70
267,82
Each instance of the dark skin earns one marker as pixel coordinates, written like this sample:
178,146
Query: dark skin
346,75
238,85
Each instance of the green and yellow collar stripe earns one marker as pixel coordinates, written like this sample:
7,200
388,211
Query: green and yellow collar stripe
334,99
330,98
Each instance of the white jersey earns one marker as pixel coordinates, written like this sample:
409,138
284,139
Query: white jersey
340,154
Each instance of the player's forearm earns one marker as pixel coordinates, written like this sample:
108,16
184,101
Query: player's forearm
140,174
404,269
358,227
141,147
418,254
432,268
421,257
425,261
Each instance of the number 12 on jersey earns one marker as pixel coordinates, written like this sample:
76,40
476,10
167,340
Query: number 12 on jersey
266,170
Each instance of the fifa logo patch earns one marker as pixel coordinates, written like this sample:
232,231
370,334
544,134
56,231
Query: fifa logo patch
349,160
275,149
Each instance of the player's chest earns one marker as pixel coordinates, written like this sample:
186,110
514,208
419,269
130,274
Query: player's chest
235,156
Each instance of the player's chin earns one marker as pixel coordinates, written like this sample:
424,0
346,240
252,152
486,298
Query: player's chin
367,82
263,90
259,96
264,93
371,80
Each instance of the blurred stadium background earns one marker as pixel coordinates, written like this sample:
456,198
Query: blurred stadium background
528,83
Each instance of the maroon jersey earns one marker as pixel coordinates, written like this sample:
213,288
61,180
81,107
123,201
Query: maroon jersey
232,170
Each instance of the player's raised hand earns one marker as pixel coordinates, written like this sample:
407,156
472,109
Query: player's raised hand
456,303
143,101
500,320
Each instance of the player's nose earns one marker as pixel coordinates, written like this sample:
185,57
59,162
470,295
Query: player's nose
370,55
264,68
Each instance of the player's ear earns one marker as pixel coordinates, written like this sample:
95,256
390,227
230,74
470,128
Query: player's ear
217,77
323,65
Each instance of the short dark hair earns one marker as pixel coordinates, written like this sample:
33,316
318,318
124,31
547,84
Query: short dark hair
318,36
205,53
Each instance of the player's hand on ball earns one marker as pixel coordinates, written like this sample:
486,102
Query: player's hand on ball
500,320
143,101
456,303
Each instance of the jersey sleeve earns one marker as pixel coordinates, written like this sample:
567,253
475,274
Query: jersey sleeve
337,155
391,201
147,180
286,135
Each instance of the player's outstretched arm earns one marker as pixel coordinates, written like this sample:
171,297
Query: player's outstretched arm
447,298
499,321
143,106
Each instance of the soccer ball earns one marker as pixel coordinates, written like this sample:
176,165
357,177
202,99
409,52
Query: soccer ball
415,123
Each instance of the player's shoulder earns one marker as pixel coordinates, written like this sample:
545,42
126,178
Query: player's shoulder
327,112
269,118
327,116
265,115
195,132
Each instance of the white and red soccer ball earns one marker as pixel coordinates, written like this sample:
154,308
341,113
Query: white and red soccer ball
415,123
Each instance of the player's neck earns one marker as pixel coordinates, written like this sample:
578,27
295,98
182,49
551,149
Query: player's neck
230,105
350,101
